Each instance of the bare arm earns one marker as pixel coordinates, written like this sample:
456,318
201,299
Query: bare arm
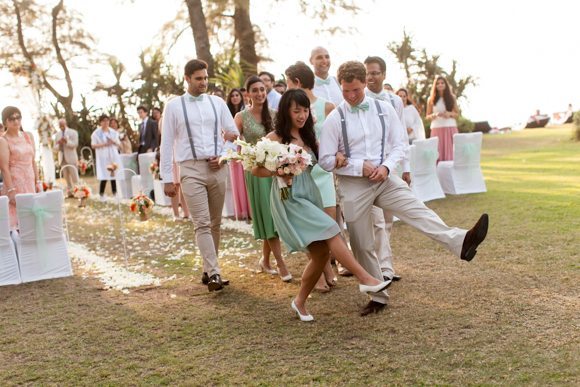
328,107
4,168
429,114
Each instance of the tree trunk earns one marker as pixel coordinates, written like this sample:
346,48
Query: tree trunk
200,36
246,38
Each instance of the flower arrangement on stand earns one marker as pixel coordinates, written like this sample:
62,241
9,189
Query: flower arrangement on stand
154,169
83,166
82,192
281,159
141,204
112,168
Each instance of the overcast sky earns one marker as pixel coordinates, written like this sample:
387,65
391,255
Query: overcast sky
525,54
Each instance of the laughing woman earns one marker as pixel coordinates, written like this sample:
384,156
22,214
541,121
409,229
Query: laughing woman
300,219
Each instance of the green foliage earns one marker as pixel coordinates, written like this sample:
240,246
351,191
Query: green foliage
229,73
577,125
421,69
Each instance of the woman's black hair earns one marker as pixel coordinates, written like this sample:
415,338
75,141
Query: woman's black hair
233,108
284,122
266,117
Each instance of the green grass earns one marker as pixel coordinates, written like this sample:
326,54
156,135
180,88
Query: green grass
508,317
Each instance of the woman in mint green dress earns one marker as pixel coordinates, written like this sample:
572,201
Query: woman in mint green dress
300,219
300,76
254,123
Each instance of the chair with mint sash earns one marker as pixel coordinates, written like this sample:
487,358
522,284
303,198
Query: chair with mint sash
124,175
42,248
423,158
9,271
463,174
145,160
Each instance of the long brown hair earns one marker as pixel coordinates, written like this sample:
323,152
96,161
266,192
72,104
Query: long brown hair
265,113
448,96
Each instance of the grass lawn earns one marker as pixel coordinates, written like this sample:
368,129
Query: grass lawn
508,317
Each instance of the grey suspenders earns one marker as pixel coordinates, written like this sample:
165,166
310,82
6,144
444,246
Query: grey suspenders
345,135
190,136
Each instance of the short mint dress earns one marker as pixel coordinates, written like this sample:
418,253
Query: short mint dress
300,219
324,180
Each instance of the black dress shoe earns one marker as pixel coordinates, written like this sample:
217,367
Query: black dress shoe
474,237
215,283
372,307
392,279
396,278
205,278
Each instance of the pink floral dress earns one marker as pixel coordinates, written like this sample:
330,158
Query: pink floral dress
21,170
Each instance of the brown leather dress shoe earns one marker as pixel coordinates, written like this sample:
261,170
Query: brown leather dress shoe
474,237
372,307
215,283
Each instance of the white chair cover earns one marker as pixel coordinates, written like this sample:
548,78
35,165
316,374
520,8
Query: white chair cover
463,175
42,248
160,197
136,185
423,159
9,271
145,160
124,186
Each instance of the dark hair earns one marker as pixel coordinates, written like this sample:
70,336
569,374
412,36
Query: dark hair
351,70
284,122
270,75
407,100
265,114
142,107
8,112
300,71
113,119
233,108
377,60
158,109
448,96
103,117
194,65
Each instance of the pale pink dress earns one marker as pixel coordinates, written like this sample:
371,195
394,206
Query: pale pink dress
239,191
444,128
21,170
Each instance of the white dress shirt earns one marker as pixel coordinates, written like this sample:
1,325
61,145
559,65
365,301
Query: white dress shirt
413,120
397,103
175,141
273,99
364,132
328,89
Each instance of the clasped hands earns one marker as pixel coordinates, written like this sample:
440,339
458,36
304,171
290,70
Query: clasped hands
374,173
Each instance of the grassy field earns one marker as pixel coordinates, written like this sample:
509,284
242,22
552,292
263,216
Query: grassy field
508,317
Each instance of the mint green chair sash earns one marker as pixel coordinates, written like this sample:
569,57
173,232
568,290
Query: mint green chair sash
41,214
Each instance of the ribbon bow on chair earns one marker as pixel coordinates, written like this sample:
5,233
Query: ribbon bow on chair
430,156
469,151
40,213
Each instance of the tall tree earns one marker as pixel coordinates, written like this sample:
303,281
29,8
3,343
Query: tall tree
246,38
200,33
33,56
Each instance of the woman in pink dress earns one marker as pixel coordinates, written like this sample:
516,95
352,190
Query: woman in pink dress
235,103
442,111
16,161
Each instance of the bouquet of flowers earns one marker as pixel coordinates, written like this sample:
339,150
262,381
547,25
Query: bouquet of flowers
46,186
83,165
142,205
112,168
279,158
82,192
154,169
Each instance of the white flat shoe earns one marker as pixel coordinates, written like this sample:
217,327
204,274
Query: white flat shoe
302,317
264,269
374,289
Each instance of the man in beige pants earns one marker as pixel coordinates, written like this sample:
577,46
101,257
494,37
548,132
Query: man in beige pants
367,132
192,133
67,141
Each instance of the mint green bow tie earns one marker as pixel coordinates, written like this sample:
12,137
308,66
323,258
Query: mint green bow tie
196,99
320,82
361,106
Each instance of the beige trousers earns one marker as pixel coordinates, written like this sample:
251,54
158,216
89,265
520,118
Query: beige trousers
382,228
204,192
70,175
358,196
